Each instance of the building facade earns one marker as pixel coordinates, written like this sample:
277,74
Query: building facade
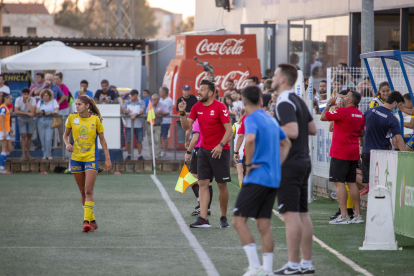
313,34
168,22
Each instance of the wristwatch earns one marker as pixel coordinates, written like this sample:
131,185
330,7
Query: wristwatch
329,104
182,113
221,144
236,152
188,152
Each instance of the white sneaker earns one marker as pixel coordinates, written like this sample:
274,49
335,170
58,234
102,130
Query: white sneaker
255,272
50,158
341,220
357,219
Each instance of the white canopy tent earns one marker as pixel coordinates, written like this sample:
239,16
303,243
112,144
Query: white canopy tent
53,55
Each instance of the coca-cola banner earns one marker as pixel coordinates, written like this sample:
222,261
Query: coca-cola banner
222,74
216,46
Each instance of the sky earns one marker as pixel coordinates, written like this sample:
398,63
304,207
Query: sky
186,7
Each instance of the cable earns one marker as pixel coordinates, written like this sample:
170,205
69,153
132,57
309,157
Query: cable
159,50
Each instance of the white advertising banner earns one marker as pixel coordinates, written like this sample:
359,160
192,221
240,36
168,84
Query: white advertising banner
321,148
383,171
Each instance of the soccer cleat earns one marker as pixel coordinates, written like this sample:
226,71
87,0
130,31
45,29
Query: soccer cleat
308,271
337,214
201,223
5,172
86,227
334,196
341,220
287,270
93,225
365,190
255,272
357,219
223,222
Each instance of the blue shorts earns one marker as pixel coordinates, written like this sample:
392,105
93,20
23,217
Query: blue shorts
78,166
139,134
239,162
410,144
26,127
165,128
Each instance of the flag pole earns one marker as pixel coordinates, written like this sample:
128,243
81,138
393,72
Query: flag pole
153,151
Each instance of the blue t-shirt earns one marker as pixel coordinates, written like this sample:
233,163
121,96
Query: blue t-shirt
266,149
146,101
57,93
380,126
88,93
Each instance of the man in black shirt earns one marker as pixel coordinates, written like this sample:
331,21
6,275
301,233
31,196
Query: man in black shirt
188,98
296,121
105,95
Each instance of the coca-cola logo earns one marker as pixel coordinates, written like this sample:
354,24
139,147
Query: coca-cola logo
180,48
239,78
229,47
168,79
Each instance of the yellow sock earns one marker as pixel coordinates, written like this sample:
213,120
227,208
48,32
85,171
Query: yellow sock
349,203
240,183
88,210
93,216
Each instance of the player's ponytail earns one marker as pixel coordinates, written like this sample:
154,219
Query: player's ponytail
92,105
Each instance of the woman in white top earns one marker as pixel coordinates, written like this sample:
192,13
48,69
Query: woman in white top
239,165
46,106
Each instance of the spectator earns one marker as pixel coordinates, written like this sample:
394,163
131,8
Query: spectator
3,87
84,84
134,107
349,126
159,109
105,95
314,63
338,85
269,73
266,98
239,159
253,80
5,130
263,79
384,91
63,106
146,96
322,90
380,124
317,72
48,84
26,105
294,60
188,98
230,85
228,102
46,106
316,109
366,83
267,86
40,79
118,96
237,103
166,122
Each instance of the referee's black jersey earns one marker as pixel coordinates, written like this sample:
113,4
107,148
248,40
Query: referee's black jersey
291,108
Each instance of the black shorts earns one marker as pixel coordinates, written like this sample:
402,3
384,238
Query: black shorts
193,162
244,165
342,170
292,195
207,166
255,201
366,158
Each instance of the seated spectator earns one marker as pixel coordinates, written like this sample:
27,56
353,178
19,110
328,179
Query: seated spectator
134,107
26,105
83,90
46,106
160,111
384,91
105,95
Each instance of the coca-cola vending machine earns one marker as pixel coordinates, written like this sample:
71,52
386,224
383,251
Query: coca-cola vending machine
234,57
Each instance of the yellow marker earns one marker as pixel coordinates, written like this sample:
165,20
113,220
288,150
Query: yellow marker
185,180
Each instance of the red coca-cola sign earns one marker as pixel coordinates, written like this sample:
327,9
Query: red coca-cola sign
238,74
216,46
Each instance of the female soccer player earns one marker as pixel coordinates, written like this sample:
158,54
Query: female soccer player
86,126
6,145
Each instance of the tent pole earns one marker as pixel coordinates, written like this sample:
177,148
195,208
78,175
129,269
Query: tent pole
29,74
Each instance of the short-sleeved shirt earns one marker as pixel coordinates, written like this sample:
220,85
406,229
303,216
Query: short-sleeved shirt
242,130
236,128
159,107
237,107
85,134
47,107
266,154
5,112
377,101
57,93
110,94
135,108
380,126
196,129
191,101
65,91
168,102
211,119
349,122
291,108
88,93
23,107
146,100
5,89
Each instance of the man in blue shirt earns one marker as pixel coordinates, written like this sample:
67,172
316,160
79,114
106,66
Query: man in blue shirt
84,90
146,97
48,84
380,126
266,146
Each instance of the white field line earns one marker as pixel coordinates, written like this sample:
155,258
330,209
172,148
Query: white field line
202,255
349,262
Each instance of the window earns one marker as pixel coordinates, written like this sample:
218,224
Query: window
31,31
6,31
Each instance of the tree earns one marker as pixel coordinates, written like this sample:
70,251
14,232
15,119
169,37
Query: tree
186,26
70,16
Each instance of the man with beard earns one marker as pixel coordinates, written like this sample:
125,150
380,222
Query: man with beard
213,157
349,126
296,121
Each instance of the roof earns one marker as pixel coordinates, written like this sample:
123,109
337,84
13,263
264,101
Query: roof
161,10
25,8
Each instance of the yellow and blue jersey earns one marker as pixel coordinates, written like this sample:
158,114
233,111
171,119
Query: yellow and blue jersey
377,101
85,134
